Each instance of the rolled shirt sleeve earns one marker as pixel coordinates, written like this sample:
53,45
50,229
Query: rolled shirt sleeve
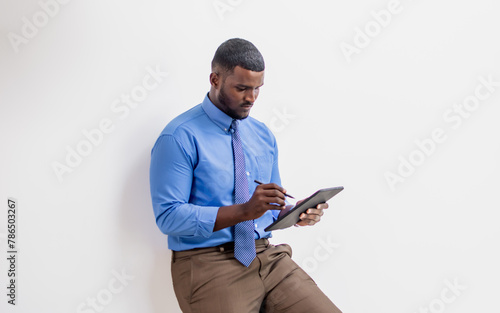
171,175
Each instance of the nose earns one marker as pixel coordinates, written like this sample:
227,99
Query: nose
251,95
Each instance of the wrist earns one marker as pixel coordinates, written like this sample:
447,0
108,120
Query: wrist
230,215
243,213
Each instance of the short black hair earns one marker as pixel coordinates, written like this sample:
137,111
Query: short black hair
238,52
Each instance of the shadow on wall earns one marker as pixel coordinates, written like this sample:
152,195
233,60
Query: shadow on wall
144,244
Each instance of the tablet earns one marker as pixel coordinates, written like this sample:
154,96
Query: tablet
292,217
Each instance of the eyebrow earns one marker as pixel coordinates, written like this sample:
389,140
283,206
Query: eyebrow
245,86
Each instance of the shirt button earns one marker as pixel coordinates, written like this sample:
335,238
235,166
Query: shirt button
248,173
255,225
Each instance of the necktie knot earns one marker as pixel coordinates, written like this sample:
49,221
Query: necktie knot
234,125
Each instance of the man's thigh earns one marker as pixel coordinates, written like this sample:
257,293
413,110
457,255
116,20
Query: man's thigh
215,282
290,289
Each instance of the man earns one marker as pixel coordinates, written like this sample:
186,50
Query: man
203,168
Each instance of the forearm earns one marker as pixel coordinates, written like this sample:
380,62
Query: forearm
229,216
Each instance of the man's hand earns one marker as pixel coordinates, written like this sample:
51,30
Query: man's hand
264,198
309,217
312,215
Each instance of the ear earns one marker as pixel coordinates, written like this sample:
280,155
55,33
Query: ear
214,80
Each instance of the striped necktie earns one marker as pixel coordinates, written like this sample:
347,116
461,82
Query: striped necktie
244,242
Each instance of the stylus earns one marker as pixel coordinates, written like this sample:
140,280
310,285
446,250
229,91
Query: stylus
260,183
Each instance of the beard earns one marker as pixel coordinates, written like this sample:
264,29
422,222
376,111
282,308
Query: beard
223,100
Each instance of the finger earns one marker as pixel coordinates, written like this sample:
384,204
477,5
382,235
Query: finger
315,212
322,206
273,186
310,217
274,193
275,207
274,200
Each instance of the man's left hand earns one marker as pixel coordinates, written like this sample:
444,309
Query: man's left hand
312,215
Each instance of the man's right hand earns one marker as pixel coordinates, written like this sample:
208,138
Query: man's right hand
265,197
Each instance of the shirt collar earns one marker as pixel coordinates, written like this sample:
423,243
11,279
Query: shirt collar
220,118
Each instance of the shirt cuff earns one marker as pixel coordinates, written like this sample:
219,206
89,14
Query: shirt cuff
206,221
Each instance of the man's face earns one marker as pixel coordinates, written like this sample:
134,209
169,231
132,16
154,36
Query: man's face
236,92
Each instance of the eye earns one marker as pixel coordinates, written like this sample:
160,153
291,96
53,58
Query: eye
240,88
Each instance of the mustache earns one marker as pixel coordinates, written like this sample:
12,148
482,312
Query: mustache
246,103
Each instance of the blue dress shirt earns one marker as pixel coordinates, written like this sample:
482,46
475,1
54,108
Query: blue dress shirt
192,175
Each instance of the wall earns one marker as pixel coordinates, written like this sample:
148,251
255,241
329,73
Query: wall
398,101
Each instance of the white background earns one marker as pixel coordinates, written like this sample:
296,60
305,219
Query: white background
339,119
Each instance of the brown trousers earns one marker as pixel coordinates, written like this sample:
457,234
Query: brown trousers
211,280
